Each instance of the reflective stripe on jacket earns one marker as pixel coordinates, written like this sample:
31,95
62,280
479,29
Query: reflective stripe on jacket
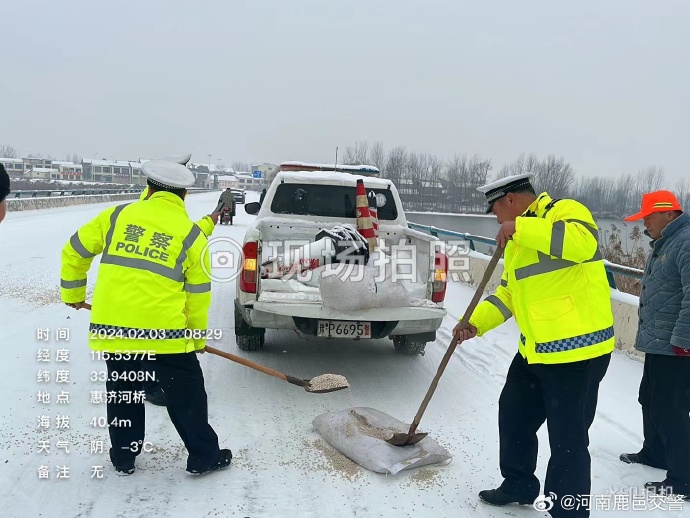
554,283
153,287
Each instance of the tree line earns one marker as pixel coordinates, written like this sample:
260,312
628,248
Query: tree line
427,182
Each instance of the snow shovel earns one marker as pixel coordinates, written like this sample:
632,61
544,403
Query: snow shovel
411,437
318,385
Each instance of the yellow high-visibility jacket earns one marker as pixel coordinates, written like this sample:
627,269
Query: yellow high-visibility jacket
554,283
205,224
153,288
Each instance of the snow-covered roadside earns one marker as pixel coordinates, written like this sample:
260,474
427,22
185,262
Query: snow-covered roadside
281,467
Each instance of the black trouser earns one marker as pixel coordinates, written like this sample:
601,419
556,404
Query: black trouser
565,396
665,400
150,385
183,383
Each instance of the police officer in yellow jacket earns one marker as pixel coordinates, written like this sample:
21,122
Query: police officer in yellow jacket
153,392
151,298
555,285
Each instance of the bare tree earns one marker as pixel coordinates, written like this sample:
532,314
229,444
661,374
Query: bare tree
681,192
555,176
396,164
7,151
521,165
456,173
76,159
377,157
478,172
357,154
652,178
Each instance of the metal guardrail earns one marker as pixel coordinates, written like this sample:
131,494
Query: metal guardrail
611,268
47,193
67,192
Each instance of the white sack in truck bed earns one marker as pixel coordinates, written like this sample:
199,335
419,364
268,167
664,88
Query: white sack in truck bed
352,287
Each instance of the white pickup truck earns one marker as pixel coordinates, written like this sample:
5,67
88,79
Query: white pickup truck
296,207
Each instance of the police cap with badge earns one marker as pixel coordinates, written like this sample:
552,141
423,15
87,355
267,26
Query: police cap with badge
167,174
498,189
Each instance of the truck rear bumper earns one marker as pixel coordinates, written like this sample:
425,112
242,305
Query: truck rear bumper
303,317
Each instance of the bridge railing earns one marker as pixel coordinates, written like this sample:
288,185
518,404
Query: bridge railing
611,268
45,193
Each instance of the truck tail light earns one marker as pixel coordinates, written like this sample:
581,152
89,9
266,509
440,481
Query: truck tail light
249,263
440,281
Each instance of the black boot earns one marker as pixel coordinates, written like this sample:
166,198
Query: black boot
499,497
222,462
157,397
636,458
124,468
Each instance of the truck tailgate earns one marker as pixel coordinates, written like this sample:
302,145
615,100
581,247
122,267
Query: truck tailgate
310,306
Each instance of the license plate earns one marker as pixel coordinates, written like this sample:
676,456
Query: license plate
341,329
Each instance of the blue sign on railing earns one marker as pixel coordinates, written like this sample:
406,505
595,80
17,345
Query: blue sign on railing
256,174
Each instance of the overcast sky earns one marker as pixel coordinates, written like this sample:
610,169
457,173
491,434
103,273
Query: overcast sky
603,83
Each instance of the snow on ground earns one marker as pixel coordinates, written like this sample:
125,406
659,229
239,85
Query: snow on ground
281,467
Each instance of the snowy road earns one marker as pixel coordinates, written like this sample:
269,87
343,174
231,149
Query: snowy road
279,468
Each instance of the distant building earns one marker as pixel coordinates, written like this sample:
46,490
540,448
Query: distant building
68,170
44,173
13,166
246,181
111,171
41,163
268,172
225,181
138,177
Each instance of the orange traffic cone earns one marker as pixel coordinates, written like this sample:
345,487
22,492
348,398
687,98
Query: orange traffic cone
364,225
374,213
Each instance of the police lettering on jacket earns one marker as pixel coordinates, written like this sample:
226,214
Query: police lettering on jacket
155,248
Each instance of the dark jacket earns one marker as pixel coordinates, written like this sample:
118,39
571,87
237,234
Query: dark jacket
4,183
664,310
227,199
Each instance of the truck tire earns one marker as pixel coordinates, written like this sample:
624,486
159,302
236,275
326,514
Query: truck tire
250,342
409,344
248,338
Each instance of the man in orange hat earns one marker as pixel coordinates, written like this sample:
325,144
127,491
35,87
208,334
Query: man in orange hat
663,335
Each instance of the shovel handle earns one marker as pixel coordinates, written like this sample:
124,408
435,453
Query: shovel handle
247,363
454,342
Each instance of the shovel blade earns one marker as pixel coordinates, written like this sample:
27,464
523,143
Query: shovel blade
406,439
323,391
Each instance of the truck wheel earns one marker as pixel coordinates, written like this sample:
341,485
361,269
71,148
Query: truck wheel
408,345
250,342
248,338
